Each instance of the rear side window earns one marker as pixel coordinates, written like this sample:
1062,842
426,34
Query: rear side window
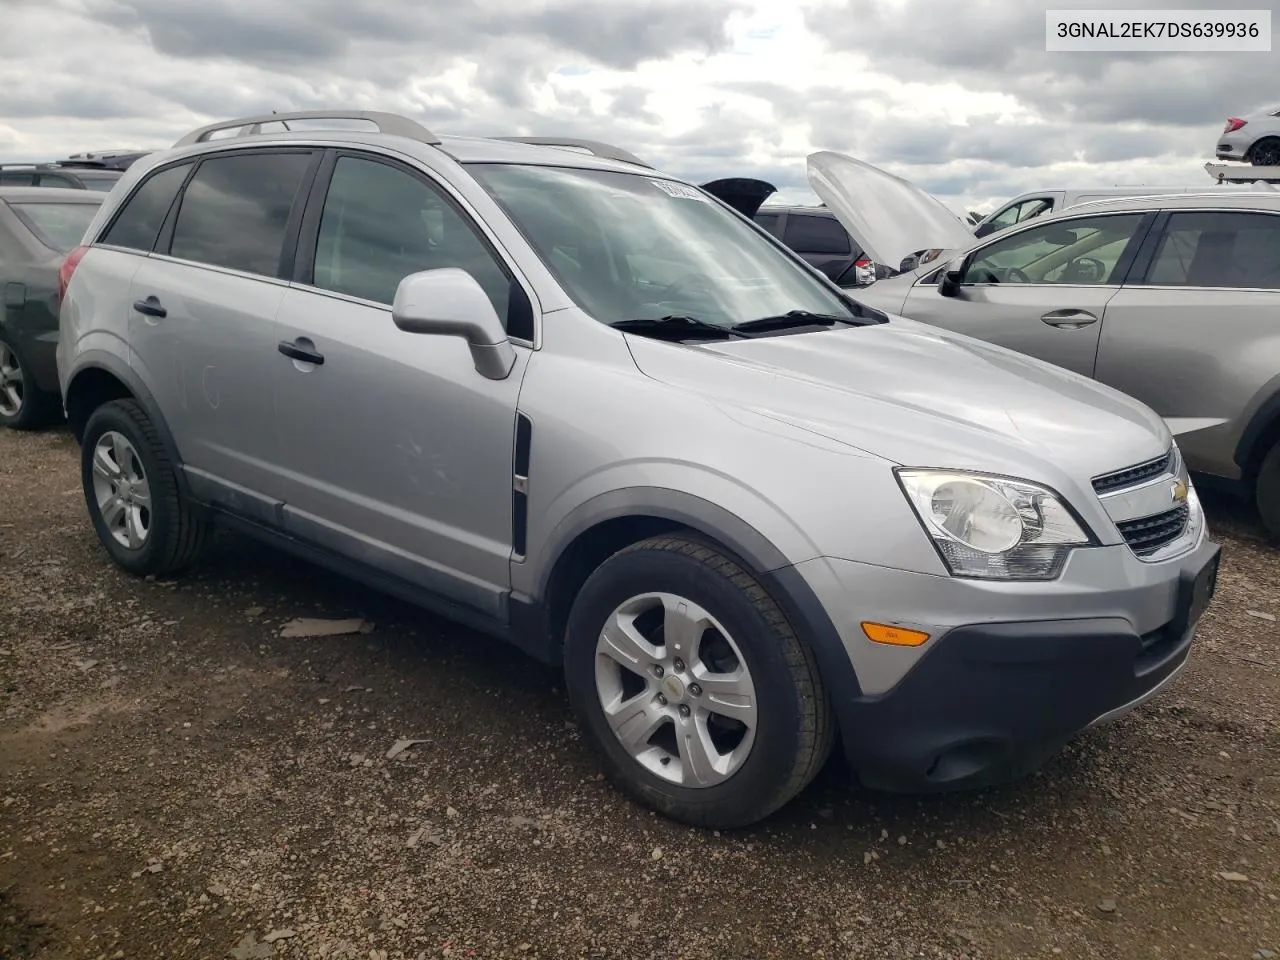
59,226
17,178
1219,249
235,211
138,223
808,234
768,220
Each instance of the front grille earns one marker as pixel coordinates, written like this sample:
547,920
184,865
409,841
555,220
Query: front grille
1132,476
1149,534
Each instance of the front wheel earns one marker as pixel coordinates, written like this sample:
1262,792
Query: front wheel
691,683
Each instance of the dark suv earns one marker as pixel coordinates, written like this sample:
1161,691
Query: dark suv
815,234
80,171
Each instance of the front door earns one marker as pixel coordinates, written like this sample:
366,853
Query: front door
1042,290
399,452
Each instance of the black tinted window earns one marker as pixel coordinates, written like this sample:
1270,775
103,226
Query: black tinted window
381,224
808,234
235,210
1219,250
17,178
768,220
57,225
138,223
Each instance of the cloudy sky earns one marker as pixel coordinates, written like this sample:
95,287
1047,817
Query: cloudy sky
960,97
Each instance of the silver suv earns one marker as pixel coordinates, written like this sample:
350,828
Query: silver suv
588,408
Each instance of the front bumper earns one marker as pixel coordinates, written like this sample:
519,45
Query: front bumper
990,699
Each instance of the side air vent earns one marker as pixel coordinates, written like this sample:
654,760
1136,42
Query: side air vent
520,486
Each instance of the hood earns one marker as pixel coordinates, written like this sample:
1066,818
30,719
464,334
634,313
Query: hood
889,217
742,193
920,396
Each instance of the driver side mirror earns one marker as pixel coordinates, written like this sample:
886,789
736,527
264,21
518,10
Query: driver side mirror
449,302
951,278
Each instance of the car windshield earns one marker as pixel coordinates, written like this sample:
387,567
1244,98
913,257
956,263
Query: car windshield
57,225
634,247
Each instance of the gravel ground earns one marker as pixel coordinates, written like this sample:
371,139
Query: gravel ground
178,780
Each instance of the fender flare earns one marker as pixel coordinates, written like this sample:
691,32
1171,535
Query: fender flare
771,566
111,364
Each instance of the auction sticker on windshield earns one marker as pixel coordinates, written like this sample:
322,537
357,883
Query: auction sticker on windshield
681,191
1157,31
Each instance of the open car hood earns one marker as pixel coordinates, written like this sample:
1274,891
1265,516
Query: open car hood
890,218
742,193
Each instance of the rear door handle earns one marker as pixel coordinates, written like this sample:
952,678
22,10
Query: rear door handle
150,307
297,351
1069,319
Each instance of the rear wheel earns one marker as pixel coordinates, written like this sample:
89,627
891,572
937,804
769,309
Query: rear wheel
131,490
1267,492
23,405
692,685
1265,153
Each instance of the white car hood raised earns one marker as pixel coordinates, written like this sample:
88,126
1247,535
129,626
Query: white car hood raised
889,217
917,395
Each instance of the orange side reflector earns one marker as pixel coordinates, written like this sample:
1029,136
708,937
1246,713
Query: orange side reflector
895,636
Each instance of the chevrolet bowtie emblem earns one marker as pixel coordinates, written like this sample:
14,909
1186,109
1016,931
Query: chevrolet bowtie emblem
1179,491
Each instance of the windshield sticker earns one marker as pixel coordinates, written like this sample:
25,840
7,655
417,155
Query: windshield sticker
680,191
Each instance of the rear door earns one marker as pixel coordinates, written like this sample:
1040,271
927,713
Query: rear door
202,325
1041,290
1194,332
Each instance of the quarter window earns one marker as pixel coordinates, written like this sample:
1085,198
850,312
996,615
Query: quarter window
138,223
809,234
235,211
1219,249
381,224
1078,251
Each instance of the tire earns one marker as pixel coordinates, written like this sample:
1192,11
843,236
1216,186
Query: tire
23,405
1265,153
787,732
162,538
1267,492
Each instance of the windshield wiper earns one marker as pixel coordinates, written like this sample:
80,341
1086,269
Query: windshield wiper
794,318
677,328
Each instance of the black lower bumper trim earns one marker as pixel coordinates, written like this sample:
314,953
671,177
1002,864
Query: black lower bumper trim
992,702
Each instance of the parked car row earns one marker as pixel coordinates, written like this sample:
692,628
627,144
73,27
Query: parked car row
585,406
81,171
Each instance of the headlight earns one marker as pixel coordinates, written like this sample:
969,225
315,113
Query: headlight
991,527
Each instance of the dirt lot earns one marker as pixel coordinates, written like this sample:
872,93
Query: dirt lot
178,780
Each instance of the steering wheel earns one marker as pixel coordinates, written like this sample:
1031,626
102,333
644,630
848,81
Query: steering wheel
686,284
1014,275
1089,270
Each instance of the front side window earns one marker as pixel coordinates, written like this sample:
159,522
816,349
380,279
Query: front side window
1078,251
1219,249
235,211
627,246
59,226
381,223
138,222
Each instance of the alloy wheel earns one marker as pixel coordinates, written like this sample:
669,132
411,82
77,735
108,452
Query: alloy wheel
11,382
675,690
121,490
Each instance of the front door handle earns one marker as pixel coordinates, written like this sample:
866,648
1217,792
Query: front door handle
150,307
296,350
1069,319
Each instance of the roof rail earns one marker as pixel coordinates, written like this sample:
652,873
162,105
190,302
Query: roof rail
594,147
388,123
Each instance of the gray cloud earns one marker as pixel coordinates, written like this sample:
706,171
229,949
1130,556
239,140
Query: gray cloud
303,31
998,46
